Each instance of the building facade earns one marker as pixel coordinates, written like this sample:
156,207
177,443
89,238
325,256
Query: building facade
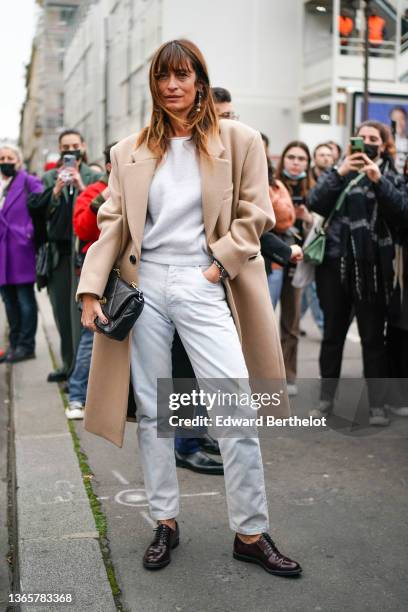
246,46
290,72
42,115
332,66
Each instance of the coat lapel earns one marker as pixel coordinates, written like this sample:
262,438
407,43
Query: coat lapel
137,177
215,179
14,191
138,174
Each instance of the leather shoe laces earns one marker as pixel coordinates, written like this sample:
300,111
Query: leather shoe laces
162,534
270,549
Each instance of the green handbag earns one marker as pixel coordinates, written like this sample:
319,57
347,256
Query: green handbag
314,252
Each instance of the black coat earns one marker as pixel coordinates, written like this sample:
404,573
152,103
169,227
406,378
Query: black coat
274,249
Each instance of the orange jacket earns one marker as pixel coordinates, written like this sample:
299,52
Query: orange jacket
345,25
282,206
376,26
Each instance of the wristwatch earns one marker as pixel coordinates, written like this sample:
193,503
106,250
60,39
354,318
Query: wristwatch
223,273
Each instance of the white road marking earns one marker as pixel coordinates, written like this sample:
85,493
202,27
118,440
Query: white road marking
119,477
353,337
137,497
148,519
132,497
200,494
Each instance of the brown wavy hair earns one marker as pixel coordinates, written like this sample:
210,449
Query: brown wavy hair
172,56
305,184
385,134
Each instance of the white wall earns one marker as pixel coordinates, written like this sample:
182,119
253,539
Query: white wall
252,49
315,133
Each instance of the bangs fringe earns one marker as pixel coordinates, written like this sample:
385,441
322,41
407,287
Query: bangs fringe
172,58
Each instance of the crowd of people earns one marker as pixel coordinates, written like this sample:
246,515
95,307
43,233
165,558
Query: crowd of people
48,224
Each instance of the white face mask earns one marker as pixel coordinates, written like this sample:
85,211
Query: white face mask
295,177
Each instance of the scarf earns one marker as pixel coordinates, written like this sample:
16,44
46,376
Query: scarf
367,247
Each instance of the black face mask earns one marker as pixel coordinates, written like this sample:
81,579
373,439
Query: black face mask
77,153
8,170
371,151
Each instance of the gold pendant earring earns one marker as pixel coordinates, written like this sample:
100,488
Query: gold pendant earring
198,106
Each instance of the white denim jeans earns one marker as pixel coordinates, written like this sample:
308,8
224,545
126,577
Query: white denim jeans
181,297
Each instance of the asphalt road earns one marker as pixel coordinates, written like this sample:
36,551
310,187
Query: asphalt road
338,504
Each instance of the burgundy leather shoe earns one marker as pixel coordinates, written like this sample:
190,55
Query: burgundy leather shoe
264,553
157,554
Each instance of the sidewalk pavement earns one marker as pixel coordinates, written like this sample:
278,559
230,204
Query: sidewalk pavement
4,545
58,543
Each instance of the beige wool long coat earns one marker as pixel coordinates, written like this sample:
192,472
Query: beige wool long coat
236,212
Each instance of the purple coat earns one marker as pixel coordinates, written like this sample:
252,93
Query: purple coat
17,253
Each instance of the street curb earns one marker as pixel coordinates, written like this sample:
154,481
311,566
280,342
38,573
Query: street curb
58,543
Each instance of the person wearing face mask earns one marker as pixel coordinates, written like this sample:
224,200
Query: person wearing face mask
86,233
323,161
62,187
295,173
357,270
17,255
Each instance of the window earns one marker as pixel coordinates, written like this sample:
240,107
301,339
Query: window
67,15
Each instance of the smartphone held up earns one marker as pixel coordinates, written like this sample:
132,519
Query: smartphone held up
69,163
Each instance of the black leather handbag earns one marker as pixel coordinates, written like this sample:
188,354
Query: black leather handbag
43,266
122,303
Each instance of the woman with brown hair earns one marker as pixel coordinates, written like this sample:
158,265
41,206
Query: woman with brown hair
294,170
357,271
189,200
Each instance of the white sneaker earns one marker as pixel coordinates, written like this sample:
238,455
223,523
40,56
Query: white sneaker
292,389
402,411
75,410
324,409
378,417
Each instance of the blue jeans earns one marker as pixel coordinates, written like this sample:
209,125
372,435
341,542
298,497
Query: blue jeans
21,311
275,282
186,446
78,382
310,300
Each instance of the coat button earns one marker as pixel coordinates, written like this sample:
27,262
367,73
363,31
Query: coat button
132,259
